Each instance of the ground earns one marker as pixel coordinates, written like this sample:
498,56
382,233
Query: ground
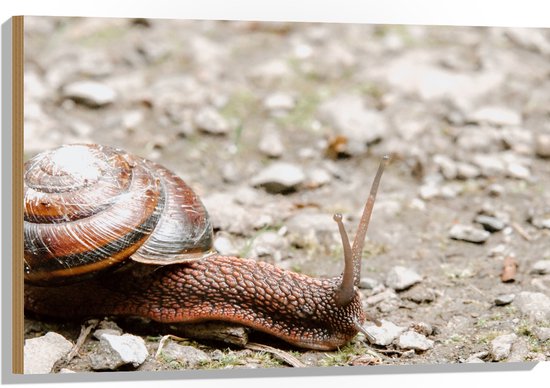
463,111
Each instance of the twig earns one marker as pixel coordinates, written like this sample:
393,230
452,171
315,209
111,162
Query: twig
163,340
286,357
84,333
517,227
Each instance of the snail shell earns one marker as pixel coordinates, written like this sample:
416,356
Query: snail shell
88,208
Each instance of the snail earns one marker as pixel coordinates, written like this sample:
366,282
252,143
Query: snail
107,233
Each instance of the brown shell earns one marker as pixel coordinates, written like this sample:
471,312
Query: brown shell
90,207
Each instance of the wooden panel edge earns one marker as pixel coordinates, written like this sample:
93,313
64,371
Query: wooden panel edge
17,195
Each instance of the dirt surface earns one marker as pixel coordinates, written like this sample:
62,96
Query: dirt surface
464,112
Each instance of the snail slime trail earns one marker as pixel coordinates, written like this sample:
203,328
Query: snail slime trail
80,237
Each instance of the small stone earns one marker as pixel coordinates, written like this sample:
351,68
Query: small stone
66,370
541,267
422,328
495,190
429,191
497,115
351,120
115,351
447,166
385,295
400,278
490,224
271,144
101,332
504,299
210,121
419,294
519,171
270,244
414,340
542,333
270,72
466,171
477,357
385,334
501,346
187,355
132,119
279,103
535,305
224,246
318,177
542,145
489,164
474,360
367,283
90,93
468,233
279,177
41,353
519,351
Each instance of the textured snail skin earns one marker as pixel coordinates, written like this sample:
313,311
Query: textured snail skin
293,307
78,254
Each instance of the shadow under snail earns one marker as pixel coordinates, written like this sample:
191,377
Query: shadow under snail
88,209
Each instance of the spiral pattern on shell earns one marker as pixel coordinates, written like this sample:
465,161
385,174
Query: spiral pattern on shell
87,208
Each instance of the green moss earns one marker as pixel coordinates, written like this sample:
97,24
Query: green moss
344,355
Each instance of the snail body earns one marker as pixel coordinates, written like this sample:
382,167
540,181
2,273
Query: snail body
109,233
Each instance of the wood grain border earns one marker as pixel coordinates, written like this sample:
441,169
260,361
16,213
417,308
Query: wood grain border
17,193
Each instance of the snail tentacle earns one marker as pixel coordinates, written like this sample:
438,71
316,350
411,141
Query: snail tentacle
89,209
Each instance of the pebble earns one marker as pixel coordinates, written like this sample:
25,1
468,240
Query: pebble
317,177
468,233
477,357
478,138
90,93
270,72
384,334
504,299
466,171
541,267
349,118
279,103
209,120
535,305
115,351
41,353
419,294
400,278
489,164
413,340
497,115
270,244
423,328
542,145
490,224
367,283
189,356
279,177
224,246
530,39
415,72
270,144
385,295
447,166
542,333
501,346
